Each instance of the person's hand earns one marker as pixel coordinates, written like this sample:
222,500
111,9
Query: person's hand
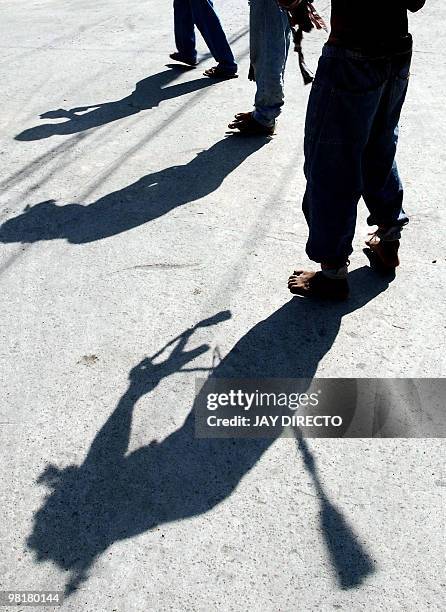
303,14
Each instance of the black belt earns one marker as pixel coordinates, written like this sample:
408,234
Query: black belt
402,44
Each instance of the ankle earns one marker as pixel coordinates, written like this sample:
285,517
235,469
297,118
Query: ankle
335,272
389,233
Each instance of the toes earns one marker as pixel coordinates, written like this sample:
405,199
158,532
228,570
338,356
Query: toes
297,284
295,275
295,289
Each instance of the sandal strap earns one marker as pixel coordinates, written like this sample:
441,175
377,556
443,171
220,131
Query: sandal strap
219,71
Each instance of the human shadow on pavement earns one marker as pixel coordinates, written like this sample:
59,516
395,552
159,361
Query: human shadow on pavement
148,93
152,196
115,495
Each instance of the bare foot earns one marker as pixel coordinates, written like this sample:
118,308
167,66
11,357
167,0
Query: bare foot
316,284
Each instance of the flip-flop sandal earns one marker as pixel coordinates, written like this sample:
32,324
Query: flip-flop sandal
248,126
385,252
177,57
217,72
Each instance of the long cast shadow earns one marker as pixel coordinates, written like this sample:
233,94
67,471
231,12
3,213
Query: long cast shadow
148,93
350,560
150,197
114,495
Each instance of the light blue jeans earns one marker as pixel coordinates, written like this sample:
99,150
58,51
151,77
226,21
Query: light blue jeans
270,34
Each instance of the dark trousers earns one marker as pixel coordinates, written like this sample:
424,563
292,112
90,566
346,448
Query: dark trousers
187,14
351,134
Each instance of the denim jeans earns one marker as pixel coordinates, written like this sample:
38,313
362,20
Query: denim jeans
188,13
269,43
351,134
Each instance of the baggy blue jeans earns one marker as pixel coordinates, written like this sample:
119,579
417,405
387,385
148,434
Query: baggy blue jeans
269,43
187,14
351,134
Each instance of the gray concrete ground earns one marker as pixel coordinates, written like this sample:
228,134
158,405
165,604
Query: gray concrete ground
142,220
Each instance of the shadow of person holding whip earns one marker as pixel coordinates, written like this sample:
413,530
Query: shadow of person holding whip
116,495
107,498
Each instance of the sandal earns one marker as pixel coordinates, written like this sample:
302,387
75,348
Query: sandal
218,72
248,126
385,251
